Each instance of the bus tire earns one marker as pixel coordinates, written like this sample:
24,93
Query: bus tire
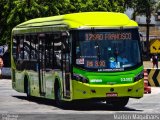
119,103
57,93
26,87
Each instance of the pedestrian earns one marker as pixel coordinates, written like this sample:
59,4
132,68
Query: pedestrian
155,60
1,66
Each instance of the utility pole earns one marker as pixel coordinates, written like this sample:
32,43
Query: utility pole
148,20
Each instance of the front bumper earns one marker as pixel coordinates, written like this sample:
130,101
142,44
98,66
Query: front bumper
86,91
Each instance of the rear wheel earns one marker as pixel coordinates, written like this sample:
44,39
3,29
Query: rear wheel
118,102
26,87
58,95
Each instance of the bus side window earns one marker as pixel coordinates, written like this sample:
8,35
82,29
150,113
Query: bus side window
26,48
32,42
20,49
14,49
57,47
57,55
49,52
33,45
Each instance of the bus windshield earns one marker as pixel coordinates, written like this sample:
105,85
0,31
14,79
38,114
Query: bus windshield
108,50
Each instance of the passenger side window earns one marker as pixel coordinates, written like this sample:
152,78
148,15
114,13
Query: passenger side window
57,51
20,49
14,49
34,48
26,48
49,51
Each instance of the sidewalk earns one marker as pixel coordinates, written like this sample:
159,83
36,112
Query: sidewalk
149,64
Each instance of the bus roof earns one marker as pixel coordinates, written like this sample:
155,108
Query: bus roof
78,21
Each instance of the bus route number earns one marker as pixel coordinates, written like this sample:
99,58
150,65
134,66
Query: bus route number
101,63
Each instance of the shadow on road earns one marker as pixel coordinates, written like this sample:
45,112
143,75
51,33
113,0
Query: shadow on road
77,105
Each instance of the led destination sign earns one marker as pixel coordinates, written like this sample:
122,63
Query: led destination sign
108,36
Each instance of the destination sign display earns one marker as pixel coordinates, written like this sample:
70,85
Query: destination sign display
109,36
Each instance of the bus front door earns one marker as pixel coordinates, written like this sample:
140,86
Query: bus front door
66,71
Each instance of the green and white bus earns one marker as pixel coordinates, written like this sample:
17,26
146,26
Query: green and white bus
78,56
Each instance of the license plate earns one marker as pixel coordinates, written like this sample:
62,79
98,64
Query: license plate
111,94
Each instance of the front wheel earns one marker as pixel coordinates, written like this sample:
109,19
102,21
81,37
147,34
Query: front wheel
118,102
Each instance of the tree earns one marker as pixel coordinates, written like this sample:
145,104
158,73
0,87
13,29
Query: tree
143,7
17,11
3,24
97,5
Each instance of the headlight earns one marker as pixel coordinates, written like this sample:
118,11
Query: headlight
139,76
80,78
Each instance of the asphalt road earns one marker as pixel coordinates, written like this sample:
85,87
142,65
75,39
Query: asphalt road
16,106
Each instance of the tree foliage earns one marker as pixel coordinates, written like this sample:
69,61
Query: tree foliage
144,7
14,12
